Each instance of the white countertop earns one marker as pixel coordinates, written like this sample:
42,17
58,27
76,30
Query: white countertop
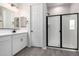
9,32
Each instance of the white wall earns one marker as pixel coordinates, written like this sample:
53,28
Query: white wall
74,8
44,24
63,9
24,9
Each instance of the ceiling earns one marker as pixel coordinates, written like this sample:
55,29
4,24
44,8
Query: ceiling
49,5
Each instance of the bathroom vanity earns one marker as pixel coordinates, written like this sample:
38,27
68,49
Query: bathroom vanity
12,43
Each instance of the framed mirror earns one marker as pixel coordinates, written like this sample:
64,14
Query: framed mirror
20,22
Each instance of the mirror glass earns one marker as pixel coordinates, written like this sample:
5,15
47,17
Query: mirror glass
8,19
20,22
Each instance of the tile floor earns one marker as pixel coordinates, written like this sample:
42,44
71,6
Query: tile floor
47,52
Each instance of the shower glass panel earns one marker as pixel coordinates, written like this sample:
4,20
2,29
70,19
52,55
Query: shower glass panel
69,31
54,31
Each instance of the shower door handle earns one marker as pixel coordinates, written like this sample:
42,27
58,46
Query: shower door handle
59,30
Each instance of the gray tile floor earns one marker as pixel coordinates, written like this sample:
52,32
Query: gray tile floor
47,52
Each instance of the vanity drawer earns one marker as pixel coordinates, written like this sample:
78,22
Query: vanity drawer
4,38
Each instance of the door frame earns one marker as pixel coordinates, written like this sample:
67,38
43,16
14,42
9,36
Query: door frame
60,30
47,30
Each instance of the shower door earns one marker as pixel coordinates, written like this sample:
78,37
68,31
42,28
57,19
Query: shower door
69,31
54,31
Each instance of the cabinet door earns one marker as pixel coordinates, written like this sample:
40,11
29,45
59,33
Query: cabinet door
5,46
24,40
19,42
16,43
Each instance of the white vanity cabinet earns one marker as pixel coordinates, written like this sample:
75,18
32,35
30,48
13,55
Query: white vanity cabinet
10,44
5,45
19,42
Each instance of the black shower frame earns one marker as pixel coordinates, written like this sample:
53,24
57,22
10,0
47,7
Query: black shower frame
61,30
